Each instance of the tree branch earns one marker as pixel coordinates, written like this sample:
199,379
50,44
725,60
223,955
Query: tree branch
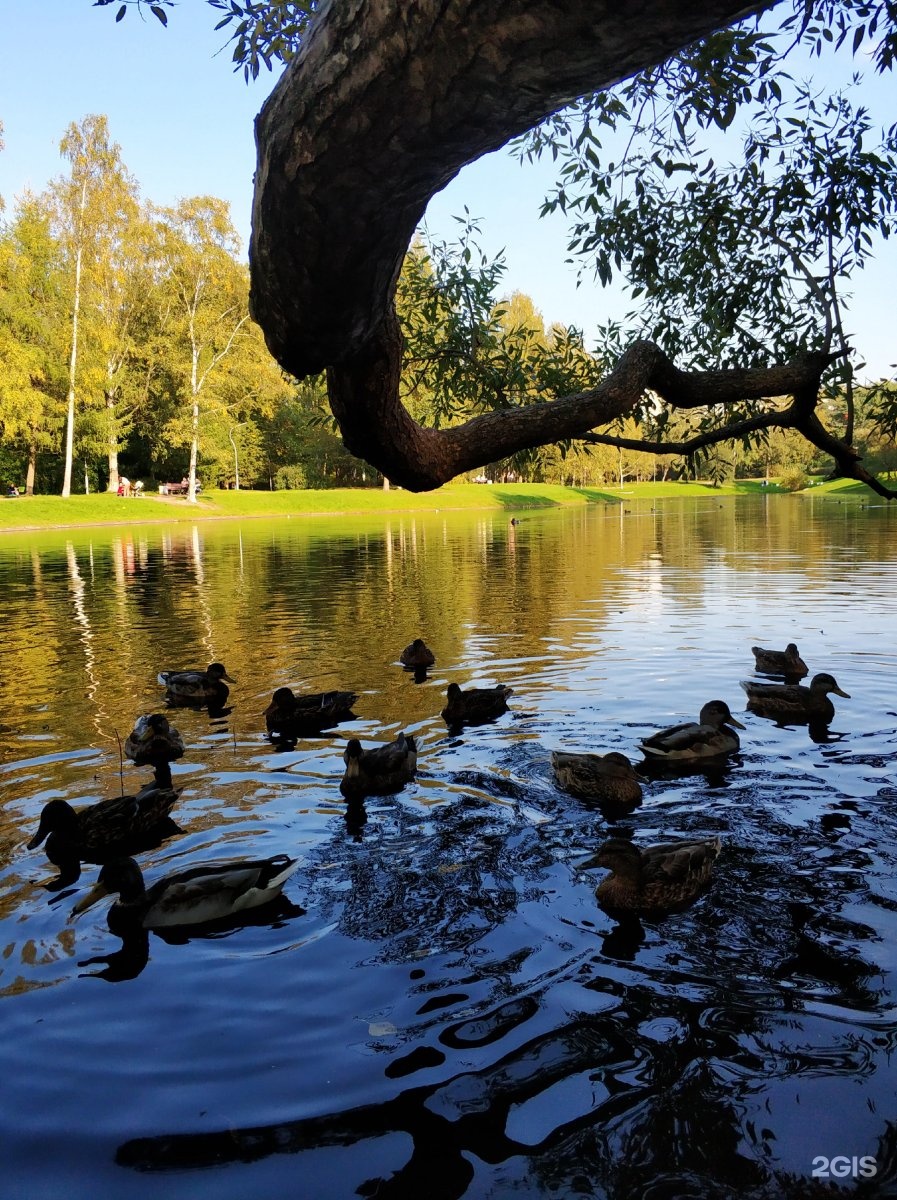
382,107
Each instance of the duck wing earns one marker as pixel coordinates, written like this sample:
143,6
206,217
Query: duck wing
397,756
215,890
678,862
675,738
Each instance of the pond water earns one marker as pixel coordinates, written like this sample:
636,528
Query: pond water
438,1008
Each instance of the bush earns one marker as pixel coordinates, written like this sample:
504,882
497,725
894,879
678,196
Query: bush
794,481
291,479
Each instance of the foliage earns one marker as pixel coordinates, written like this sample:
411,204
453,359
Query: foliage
734,261
32,347
794,481
263,31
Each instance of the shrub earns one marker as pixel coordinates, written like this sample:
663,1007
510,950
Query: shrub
794,481
291,478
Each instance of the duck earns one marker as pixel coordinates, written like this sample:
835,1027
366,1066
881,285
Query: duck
711,736
153,740
780,662
476,705
207,892
794,701
198,687
98,829
608,778
289,716
380,771
653,879
417,654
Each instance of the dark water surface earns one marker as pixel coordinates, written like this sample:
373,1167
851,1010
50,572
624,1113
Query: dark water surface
438,1008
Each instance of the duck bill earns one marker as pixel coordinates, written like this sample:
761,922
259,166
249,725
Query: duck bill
838,692
730,720
227,678
37,839
96,893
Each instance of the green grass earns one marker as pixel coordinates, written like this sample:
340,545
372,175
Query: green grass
48,512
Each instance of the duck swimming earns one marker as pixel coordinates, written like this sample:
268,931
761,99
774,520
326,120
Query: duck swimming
206,892
380,771
780,662
98,829
289,716
607,779
417,655
795,702
154,742
198,687
653,879
711,736
476,705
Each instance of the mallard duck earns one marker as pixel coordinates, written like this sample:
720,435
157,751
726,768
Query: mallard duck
608,778
290,716
657,878
416,655
198,687
379,771
153,740
780,662
794,701
206,892
99,828
708,737
476,705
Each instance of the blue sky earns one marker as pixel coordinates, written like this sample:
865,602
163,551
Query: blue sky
184,121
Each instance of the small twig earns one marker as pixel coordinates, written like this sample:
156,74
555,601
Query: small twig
121,762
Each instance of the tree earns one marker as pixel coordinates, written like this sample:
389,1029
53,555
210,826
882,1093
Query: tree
122,297
204,296
731,262
86,203
351,145
341,186
32,335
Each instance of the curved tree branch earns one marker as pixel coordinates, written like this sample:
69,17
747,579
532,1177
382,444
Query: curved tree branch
383,106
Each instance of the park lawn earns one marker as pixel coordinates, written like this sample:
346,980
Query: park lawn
48,512
26,512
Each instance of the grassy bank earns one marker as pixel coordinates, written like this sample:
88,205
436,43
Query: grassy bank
48,512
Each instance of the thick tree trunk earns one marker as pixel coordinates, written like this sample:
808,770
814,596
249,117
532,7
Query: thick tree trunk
380,110
384,105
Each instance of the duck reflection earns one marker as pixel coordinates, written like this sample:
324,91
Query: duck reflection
356,818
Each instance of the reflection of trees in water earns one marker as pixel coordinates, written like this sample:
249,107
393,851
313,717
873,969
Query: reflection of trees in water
595,1107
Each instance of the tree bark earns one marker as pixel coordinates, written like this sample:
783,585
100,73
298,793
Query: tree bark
380,110
112,453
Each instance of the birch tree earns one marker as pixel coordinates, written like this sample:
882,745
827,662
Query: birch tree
32,335
206,308
87,209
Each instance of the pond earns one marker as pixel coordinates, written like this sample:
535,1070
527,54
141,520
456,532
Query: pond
438,1007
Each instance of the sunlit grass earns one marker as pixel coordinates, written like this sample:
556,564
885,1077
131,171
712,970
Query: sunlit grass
46,512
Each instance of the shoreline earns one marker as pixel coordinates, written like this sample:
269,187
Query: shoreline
101,510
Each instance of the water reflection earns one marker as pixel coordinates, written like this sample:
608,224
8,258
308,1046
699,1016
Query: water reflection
454,1014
